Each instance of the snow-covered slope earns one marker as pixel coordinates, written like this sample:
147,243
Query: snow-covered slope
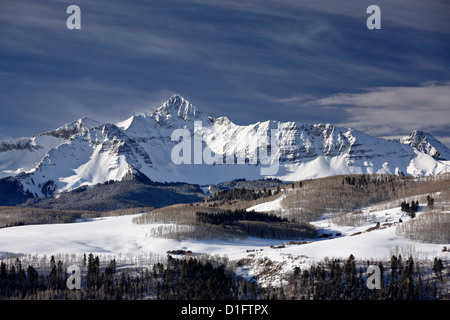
87,153
23,154
119,236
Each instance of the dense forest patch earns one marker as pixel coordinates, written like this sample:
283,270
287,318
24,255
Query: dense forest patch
188,223
207,279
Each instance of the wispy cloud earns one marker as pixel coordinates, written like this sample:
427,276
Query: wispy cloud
251,60
414,14
395,110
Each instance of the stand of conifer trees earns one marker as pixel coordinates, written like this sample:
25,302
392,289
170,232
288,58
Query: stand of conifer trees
192,279
337,280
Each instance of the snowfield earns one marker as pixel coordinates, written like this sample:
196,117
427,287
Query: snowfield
266,259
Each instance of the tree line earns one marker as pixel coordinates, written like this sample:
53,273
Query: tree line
344,280
174,280
193,280
215,223
190,278
346,193
229,216
17,216
242,194
258,224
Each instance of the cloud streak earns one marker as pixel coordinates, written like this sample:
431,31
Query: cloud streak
429,16
251,60
395,110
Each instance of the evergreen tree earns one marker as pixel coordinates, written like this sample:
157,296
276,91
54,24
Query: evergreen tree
438,267
430,202
3,279
33,278
52,275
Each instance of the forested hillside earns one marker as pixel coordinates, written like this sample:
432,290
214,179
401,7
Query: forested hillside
204,279
309,199
192,222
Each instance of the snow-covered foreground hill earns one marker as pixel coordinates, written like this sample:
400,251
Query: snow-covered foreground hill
268,260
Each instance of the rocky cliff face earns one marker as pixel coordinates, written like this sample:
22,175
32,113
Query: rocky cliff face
426,143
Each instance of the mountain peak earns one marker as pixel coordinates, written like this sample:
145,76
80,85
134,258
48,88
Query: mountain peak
88,122
178,107
426,143
67,130
419,134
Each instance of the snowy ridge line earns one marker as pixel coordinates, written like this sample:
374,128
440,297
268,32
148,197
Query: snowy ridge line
86,152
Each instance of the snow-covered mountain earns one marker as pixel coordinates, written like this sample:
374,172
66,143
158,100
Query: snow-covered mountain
87,152
426,143
24,154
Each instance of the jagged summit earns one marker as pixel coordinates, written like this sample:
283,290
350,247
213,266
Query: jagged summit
176,112
426,143
69,129
180,108
178,104
88,122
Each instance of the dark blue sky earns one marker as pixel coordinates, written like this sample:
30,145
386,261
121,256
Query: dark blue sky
309,61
